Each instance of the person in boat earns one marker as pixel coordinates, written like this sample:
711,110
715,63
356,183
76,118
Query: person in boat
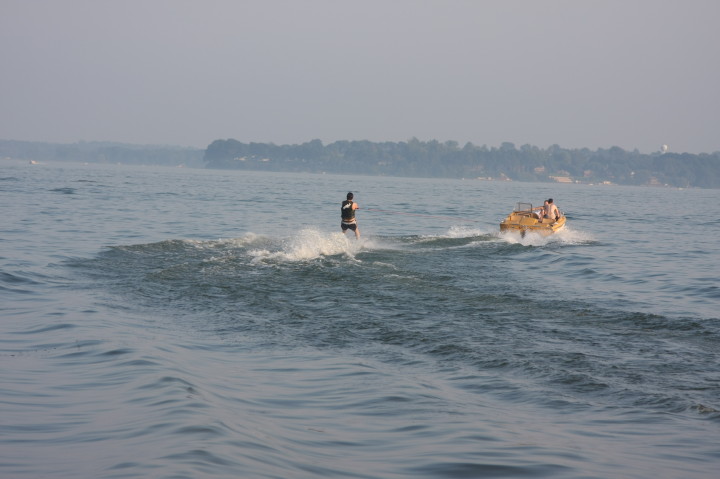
551,210
539,212
347,214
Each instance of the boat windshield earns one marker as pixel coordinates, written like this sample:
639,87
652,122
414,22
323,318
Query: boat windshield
523,207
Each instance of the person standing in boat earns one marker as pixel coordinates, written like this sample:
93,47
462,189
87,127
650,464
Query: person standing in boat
551,211
347,214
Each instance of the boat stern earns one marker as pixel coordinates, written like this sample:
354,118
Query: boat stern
523,220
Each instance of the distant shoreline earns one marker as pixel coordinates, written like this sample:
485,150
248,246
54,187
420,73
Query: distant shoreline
414,158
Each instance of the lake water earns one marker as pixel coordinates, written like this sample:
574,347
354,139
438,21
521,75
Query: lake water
184,323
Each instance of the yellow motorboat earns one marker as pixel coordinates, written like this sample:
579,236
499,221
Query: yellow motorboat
525,219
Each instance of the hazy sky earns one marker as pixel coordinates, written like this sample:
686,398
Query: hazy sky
595,73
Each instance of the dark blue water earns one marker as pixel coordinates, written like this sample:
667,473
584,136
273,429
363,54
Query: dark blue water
179,323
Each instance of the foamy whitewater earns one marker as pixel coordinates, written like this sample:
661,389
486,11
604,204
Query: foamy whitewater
180,323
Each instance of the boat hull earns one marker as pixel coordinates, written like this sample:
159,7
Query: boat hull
525,222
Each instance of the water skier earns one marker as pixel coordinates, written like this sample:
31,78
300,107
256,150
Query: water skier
347,213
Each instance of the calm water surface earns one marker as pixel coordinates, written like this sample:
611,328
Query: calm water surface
180,323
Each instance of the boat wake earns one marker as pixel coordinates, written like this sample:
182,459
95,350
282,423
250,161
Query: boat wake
566,236
309,244
312,244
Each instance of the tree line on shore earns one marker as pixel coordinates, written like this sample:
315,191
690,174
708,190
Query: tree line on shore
413,158
450,160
